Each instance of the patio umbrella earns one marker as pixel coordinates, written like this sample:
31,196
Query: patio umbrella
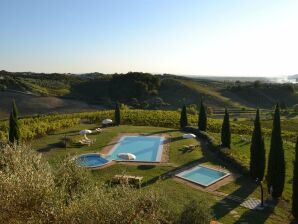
107,121
127,156
189,135
84,132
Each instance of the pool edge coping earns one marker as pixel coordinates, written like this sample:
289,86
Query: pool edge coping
109,162
161,157
179,175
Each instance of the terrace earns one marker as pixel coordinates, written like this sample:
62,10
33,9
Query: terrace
227,195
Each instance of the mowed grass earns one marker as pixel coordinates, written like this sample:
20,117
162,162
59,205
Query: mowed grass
240,149
175,194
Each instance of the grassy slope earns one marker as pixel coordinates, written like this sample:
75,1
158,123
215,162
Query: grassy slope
210,93
29,104
175,194
241,151
262,97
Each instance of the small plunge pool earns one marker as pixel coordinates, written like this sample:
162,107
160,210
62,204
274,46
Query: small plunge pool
91,160
203,175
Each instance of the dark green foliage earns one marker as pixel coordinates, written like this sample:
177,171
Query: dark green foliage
295,185
117,114
196,212
183,118
202,118
14,129
225,131
257,151
119,87
276,162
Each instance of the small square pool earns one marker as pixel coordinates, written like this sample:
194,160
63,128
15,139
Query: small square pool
203,175
145,148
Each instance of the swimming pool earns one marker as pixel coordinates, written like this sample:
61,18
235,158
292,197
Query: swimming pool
145,148
203,175
91,160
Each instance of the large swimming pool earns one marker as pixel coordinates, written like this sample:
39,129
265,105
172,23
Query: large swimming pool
145,148
203,175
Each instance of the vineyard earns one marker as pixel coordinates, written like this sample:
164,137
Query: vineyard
34,127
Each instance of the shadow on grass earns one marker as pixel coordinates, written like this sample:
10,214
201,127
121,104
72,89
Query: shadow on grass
174,139
146,167
174,171
186,150
161,132
68,133
233,200
254,216
49,147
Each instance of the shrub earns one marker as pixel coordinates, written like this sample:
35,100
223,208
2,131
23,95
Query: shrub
196,212
192,109
295,107
32,192
37,126
209,110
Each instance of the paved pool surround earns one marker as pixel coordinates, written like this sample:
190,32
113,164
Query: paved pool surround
162,154
202,175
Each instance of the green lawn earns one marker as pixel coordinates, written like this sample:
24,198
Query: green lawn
175,194
241,151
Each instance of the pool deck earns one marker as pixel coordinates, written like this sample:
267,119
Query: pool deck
165,148
103,166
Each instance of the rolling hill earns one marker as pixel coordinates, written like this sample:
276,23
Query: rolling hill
55,93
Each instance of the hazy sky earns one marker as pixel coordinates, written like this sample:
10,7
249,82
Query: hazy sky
210,37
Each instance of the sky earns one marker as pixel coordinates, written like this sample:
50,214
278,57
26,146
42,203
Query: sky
187,37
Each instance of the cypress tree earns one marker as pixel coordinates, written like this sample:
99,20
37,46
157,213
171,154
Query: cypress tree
14,130
295,185
257,151
183,117
202,124
225,131
117,114
276,162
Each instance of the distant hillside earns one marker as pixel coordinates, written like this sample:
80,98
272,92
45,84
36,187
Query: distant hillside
30,104
293,76
46,92
262,95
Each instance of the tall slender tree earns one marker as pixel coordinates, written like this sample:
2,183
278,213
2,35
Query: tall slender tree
257,151
295,185
14,129
276,162
183,117
117,114
225,131
202,124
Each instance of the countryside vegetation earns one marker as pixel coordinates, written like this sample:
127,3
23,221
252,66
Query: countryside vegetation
249,128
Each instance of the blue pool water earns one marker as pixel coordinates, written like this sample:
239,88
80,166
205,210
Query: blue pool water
91,160
203,175
145,148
